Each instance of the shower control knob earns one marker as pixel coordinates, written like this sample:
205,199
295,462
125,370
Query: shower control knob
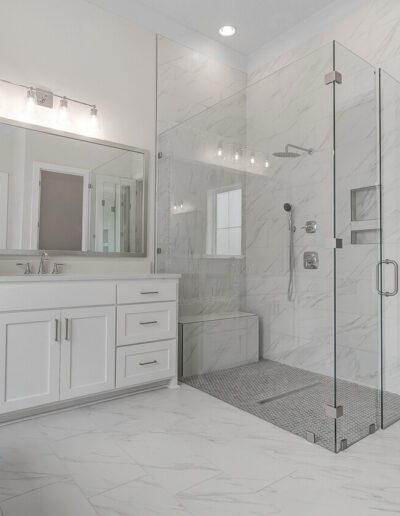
311,260
311,226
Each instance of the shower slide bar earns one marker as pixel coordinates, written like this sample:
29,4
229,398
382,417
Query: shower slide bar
395,290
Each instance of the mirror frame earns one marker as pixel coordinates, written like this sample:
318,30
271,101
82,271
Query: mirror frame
97,141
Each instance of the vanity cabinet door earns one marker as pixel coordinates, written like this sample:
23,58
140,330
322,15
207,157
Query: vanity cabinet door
87,351
29,359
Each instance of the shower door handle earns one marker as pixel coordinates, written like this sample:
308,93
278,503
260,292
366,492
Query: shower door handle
395,290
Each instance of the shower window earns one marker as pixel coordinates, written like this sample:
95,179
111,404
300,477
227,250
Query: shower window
225,222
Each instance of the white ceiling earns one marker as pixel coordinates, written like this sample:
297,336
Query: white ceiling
257,21
260,23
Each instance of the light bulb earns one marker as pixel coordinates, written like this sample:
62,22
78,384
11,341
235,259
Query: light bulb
93,112
63,108
236,156
175,207
93,116
219,151
181,205
30,98
266,163
252,160
227,31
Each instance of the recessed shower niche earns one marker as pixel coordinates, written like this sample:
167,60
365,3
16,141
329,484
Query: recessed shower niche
364,215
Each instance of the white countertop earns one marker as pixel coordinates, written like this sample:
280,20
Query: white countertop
27,278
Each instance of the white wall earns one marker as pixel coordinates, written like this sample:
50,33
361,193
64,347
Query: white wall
76,49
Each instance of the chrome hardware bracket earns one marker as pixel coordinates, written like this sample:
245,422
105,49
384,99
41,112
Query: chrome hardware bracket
334,412
333,77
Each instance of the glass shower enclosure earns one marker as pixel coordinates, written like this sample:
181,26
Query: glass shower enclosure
269,204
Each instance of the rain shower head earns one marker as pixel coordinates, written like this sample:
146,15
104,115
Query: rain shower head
290,154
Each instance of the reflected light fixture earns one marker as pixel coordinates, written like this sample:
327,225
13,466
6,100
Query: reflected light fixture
227,31
219,151
236,156
252,160
266,163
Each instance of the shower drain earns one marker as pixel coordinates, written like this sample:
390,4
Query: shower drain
288,393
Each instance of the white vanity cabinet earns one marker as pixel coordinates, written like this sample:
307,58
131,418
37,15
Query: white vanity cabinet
29,358
62,340
87,364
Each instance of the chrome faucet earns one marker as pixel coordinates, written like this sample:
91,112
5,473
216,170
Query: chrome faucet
43,258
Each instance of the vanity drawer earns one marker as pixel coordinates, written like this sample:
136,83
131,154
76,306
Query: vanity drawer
61,294
145,363
146,291
146,323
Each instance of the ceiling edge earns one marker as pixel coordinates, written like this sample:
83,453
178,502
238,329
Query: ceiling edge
154,21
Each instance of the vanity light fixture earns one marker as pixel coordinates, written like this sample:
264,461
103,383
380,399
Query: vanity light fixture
44,98
227,31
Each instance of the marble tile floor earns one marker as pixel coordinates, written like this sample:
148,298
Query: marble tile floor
182,452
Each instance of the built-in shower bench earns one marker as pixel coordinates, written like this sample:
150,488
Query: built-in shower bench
215,341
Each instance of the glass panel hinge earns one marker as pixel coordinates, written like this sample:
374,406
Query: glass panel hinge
334,412
310,436
333,76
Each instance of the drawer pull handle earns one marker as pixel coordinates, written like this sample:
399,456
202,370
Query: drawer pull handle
148,363
149,322
153,292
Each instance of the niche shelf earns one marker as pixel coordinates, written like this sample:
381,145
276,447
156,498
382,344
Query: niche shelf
364,204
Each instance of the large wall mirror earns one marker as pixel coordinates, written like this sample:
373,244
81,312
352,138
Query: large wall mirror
67,194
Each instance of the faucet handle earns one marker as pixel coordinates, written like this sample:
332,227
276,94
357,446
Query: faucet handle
28,267
56,268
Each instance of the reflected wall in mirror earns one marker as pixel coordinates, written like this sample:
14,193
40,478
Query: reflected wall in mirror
68,194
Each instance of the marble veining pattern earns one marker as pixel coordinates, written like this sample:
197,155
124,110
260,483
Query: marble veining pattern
187,454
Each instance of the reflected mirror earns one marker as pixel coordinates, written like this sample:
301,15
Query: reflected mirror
70,194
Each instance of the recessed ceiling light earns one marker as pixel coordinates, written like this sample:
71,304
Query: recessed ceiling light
227,31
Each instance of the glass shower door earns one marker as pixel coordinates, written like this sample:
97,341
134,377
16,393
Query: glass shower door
390,200
357,226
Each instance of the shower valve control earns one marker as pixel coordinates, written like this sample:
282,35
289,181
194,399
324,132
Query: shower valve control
311,260
311,226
